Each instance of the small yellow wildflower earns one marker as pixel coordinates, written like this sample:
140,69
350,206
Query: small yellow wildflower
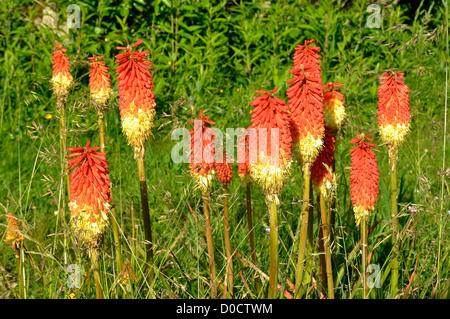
48,116
169,63
72,296
221,91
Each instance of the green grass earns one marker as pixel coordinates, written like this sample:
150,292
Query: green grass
213,56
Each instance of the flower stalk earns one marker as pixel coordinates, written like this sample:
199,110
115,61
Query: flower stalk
305,95
246,179
137,111
100,92
89,201
394,121
202,168
224,173
270,167
364,179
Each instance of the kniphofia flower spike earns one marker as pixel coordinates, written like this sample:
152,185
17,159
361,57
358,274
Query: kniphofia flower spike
305,95
364,176
62,79
322,170
99,83
202,156
224,170
13,230
271,165
136,98
393,109
90,195
333,107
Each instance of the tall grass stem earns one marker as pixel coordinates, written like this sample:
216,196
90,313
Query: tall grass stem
273,249
303,233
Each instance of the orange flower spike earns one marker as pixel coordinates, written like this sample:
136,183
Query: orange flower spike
364,176
201,161
393,109
90,194
322,169
270,119
224,170
305,95
62,79
307,55
13,230
136,98
99,83
333,107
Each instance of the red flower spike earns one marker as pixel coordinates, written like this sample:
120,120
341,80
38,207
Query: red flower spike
224,170
272,164
202,155
99,83
333,106
61,76
393,109
13,230
322,169
364,176
90,194
136,98
305,95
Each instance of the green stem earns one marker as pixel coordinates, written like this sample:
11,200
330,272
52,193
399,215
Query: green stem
332,210
395,223
228,250
115,227
326,246
61,104
273,248
250,233
19,255
210,244
303,232
146,215
98,285
323,269
364,255
64,146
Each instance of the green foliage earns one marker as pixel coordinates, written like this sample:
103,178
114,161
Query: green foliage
213,55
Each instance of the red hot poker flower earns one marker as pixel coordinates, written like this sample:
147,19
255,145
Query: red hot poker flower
322,169
333,106
202,155
224,170
90,194
305,95
307,55
99,83
136,98
13,230
393,109
364,176
61,76
270,156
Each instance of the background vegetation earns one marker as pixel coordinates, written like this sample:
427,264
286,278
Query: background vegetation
213,55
